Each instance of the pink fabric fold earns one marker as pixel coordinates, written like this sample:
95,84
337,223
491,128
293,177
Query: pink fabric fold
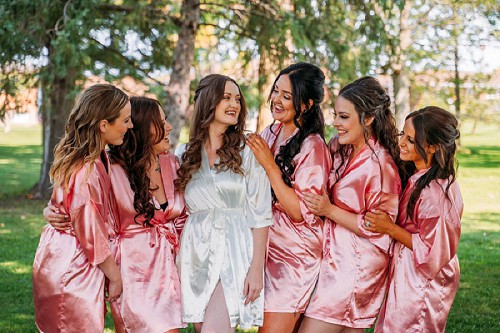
353,273
295,246
424,281
146,256
68,287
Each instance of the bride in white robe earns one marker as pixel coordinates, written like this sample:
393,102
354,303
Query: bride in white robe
223,244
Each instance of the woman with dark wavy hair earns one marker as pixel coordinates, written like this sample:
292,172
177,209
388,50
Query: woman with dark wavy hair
72,265
365,176
297,161
425,270
228,198
147,212
148,215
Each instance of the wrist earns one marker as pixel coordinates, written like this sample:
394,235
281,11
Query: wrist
330,211
271,167
391,230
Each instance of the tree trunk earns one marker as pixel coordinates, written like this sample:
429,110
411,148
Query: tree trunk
264,83
401,84
58,99
178,89
456,82
400,78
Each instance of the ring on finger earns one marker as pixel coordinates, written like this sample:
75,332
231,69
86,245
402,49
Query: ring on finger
367,224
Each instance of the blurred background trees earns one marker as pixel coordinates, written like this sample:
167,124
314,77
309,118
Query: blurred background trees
423,51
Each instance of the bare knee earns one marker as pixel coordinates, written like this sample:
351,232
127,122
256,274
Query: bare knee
310,325
277,322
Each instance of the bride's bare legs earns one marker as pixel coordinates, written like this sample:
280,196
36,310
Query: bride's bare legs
216,318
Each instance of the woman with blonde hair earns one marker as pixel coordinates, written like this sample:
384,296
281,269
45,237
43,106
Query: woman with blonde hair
71,266
228,199
148,219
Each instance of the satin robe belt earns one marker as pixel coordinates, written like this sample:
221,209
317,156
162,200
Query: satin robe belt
155,231
218,214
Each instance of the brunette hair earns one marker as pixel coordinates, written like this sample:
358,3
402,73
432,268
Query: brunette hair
307,84
81,142
371,100
437,127
208,95
136,153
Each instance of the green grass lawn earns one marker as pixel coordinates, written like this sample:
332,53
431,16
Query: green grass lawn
477,304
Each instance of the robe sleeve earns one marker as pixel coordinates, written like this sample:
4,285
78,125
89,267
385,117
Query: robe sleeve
438,235
86,211
258,193
386,202
382,192
311,173
180,221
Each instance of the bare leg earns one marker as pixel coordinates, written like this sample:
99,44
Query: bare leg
310,325
175,330
353,330
216,318
197,327
277,322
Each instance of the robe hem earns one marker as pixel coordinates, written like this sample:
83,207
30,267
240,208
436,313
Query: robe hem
359,323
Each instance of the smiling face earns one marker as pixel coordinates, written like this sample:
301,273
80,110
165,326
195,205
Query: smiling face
228,109
347,123
282,100
164,144
114,132
407,147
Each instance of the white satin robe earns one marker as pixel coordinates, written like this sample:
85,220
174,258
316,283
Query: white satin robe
217,240
424,280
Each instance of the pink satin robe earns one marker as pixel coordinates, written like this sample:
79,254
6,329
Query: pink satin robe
68,286
146,256
354,269
294,253
424,281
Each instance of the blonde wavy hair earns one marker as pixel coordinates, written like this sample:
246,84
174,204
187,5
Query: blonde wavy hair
82,143
208,95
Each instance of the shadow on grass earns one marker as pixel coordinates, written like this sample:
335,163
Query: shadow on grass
480,157
477,303
475,308
21,224
19,168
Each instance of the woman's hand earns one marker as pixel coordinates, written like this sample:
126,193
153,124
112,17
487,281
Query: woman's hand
114,289
261,150
254,282
319,205
59,221
378,221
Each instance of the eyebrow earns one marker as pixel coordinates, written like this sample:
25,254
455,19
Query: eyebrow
285,91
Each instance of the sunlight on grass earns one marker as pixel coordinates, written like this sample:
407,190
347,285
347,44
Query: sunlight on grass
477,301
16,267
22,136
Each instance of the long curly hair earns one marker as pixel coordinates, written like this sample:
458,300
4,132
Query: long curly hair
136,153
371,100
82,142
437,127
307,85
208,95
